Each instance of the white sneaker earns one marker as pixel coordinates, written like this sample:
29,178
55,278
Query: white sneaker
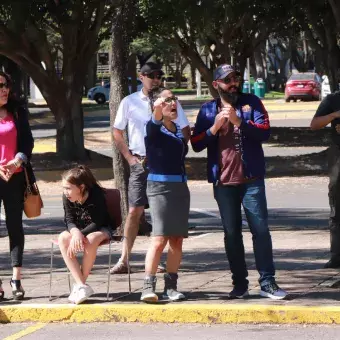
82,294
72,296
173,295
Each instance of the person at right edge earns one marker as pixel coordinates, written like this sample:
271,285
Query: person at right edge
329,112
232,128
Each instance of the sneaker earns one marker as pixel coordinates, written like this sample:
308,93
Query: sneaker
18,292
332,263
72,296
119,268
273,291
173,295
238,293
82,294
148,293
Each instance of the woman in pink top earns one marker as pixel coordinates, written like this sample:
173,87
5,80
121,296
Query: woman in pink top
16,145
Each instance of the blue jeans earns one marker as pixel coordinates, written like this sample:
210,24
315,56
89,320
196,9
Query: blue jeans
252,197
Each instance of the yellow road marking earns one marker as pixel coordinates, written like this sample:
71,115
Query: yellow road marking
41,148
186,313
26,331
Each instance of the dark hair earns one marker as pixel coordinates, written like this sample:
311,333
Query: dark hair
81,175
12,103
155,93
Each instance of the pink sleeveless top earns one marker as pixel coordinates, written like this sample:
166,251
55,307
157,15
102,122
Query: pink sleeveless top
8,140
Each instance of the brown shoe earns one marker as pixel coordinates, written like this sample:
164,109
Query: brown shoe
119,268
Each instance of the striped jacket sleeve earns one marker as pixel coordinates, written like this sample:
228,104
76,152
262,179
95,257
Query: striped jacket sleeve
202,136
257,129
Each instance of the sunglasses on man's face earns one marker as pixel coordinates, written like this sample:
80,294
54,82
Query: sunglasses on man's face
170,99
228,80
154,76
4,86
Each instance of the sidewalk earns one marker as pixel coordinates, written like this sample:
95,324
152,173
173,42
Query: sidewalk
300,254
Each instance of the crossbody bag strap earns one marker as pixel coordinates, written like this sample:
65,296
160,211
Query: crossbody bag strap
28,184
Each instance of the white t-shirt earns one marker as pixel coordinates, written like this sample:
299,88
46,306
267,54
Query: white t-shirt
134,111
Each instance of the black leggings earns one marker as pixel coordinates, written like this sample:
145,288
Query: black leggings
12,196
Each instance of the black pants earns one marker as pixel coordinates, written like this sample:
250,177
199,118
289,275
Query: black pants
12,197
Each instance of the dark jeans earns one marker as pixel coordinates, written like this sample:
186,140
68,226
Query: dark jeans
252,197
334,200
12,196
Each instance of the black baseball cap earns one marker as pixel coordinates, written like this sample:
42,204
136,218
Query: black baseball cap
223,71
150,67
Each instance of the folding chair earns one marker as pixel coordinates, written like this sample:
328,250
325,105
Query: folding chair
113,205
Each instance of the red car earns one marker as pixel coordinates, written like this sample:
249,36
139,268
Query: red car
304,86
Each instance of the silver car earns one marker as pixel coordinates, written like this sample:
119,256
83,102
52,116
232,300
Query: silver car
101,94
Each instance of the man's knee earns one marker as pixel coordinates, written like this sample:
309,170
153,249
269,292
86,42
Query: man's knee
135,213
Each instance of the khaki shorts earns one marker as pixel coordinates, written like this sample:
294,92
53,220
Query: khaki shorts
137,186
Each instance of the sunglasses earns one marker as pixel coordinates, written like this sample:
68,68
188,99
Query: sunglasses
228,80
4,86
154,76
170,99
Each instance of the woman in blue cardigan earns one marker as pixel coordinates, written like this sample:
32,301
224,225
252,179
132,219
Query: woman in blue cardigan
168,195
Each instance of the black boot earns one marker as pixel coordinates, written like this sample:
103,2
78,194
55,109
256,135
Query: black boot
170,287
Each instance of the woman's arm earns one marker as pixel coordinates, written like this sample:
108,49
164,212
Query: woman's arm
26,142
69,216
98,211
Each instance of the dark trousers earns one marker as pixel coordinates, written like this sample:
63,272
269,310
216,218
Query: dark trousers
334,200
252,197
12,197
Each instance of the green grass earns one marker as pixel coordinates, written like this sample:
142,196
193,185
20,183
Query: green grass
275,95
183,91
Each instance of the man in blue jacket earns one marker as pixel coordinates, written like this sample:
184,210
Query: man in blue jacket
232,128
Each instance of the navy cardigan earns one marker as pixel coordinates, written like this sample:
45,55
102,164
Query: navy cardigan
165,153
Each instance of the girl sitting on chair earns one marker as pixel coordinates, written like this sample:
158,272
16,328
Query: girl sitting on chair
88,225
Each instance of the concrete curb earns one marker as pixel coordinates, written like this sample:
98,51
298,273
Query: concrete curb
171,313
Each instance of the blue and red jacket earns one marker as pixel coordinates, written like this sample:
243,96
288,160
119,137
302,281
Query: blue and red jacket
254,129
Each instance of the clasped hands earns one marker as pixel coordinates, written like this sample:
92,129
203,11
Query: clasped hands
77,244
6,171
226,113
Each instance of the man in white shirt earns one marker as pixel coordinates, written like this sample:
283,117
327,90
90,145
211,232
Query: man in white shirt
134,112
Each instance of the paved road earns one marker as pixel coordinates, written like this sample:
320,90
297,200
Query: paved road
299,202
115,331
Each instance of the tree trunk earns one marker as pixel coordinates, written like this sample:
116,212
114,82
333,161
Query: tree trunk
258,59
192,78
119,61
69,124
91,74
178,73
242,64
333,68
195,60
132,66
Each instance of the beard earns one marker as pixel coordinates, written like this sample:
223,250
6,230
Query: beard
229,97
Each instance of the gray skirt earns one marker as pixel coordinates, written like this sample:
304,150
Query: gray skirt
169,208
